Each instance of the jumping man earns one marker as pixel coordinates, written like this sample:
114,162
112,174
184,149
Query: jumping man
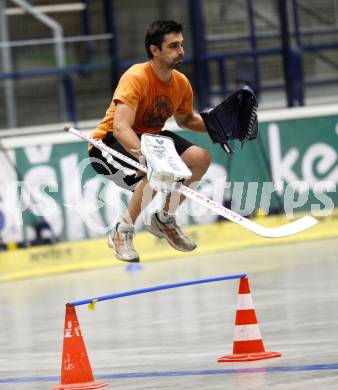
146,96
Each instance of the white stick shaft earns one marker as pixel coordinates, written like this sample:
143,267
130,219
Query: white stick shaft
276,232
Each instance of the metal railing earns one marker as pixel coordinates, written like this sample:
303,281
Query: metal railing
230,58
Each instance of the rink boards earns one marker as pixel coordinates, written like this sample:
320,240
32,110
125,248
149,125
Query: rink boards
94,253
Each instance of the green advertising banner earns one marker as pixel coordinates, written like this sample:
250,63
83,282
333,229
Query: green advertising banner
292,166
59,186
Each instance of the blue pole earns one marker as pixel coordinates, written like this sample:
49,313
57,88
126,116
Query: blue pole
155,288
87,30
109,11
253,43
70,99
199,46
293,73
296,23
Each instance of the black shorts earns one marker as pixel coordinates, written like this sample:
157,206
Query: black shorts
128,182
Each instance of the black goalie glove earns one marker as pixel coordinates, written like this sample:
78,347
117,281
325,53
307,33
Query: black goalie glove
234,118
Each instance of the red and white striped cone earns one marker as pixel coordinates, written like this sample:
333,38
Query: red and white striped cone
248,343
76,372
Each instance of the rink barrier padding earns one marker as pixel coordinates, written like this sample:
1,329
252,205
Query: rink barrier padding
94,253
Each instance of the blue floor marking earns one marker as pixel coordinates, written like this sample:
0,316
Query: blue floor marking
314,367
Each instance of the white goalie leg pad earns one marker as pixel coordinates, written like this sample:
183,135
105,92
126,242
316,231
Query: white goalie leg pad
166,170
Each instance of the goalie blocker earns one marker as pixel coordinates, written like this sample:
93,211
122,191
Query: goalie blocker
166,170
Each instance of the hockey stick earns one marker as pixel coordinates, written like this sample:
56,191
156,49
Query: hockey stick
276,232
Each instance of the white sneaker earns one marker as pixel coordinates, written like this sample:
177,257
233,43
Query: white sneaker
171,232
121,239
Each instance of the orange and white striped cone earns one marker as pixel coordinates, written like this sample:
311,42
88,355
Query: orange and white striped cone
76,372
248,343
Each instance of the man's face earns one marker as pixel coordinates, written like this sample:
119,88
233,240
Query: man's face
172,51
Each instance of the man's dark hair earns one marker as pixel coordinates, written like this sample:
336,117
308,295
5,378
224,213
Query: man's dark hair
157,30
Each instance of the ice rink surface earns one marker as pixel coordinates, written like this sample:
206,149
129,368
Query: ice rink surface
171,339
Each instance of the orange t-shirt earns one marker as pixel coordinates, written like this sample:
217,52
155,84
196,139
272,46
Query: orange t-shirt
153,100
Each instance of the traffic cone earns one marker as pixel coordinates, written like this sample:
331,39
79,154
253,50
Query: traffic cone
248,343
76,373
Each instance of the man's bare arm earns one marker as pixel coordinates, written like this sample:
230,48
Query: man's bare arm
192,122
124,119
